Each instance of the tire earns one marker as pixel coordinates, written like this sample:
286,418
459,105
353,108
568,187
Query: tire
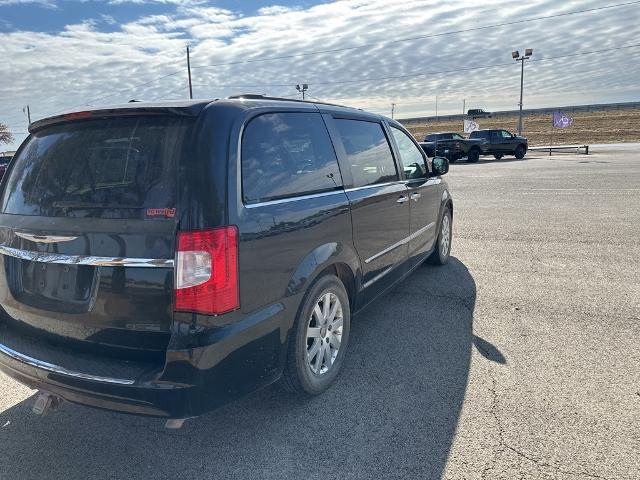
473,156
306,372
498,156
442,252
520,152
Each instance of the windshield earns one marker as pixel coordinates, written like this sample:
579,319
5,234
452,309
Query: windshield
107,168
457,137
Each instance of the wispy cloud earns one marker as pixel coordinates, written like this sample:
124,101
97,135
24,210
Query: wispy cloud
83,64
42,3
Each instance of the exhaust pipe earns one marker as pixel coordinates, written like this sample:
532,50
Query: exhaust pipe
46,403
174,423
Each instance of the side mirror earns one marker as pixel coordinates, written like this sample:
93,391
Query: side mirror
440,166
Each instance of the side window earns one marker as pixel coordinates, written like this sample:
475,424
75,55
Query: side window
410,157
495,135
505,134
368,152
287,154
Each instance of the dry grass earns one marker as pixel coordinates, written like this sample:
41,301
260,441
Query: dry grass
588,127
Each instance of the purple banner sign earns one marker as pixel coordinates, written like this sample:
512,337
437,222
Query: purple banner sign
560,120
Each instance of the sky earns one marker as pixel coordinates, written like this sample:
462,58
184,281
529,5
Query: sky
61,55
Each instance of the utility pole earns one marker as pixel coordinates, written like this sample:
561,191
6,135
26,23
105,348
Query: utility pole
436,106
28,113
189,73
464,104
393,107
516,56
302,88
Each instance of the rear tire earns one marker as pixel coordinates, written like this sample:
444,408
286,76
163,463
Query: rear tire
440,255
520,152
318,338
473,156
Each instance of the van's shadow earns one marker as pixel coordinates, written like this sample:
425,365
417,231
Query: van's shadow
393,412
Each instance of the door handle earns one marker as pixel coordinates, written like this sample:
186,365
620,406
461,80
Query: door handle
416,196
403,199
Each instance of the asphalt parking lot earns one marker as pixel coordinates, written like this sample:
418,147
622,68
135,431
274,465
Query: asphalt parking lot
520,359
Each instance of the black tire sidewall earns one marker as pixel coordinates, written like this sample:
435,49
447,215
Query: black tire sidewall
310,382
436,257
473,156
520,152
445,259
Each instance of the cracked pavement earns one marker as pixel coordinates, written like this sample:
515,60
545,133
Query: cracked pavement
519,360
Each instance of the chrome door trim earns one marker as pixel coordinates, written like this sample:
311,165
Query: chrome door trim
378,277
47,257
293,199
374,185
399,243
49,367
45,238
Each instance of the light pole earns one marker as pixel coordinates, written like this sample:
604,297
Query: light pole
302,88
516,56
393,107
189,73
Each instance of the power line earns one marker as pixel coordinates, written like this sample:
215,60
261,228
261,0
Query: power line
419,37
88,102
333,50
425,73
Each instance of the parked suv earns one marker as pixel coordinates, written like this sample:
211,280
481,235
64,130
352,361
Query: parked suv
497,143
162,259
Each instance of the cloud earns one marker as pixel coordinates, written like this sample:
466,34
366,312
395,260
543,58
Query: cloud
161,2
275,10
82,65
42,3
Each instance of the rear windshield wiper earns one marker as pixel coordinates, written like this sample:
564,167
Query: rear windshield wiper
72,204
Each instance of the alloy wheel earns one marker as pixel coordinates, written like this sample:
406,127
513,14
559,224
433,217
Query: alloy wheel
324,333
445,236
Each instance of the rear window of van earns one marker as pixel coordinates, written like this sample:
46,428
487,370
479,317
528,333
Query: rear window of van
119,167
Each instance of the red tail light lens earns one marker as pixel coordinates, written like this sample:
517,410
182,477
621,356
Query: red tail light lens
207,271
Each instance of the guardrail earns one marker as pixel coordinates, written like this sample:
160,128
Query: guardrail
577,148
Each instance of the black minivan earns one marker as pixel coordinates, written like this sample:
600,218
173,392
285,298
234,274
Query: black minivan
163,259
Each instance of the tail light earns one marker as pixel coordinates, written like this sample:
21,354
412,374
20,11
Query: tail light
207,271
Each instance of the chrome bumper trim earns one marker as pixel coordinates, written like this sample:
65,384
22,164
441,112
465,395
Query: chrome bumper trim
85,259
34,362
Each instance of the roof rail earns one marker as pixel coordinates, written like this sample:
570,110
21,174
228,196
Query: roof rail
258,96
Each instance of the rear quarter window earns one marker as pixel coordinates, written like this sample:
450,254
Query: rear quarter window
287,154
121,167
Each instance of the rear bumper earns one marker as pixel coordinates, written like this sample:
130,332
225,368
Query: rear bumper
238,359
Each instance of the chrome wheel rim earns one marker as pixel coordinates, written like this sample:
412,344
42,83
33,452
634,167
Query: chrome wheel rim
324,333
445,236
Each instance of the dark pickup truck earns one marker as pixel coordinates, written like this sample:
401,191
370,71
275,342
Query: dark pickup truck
448,144
497,143
478,113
